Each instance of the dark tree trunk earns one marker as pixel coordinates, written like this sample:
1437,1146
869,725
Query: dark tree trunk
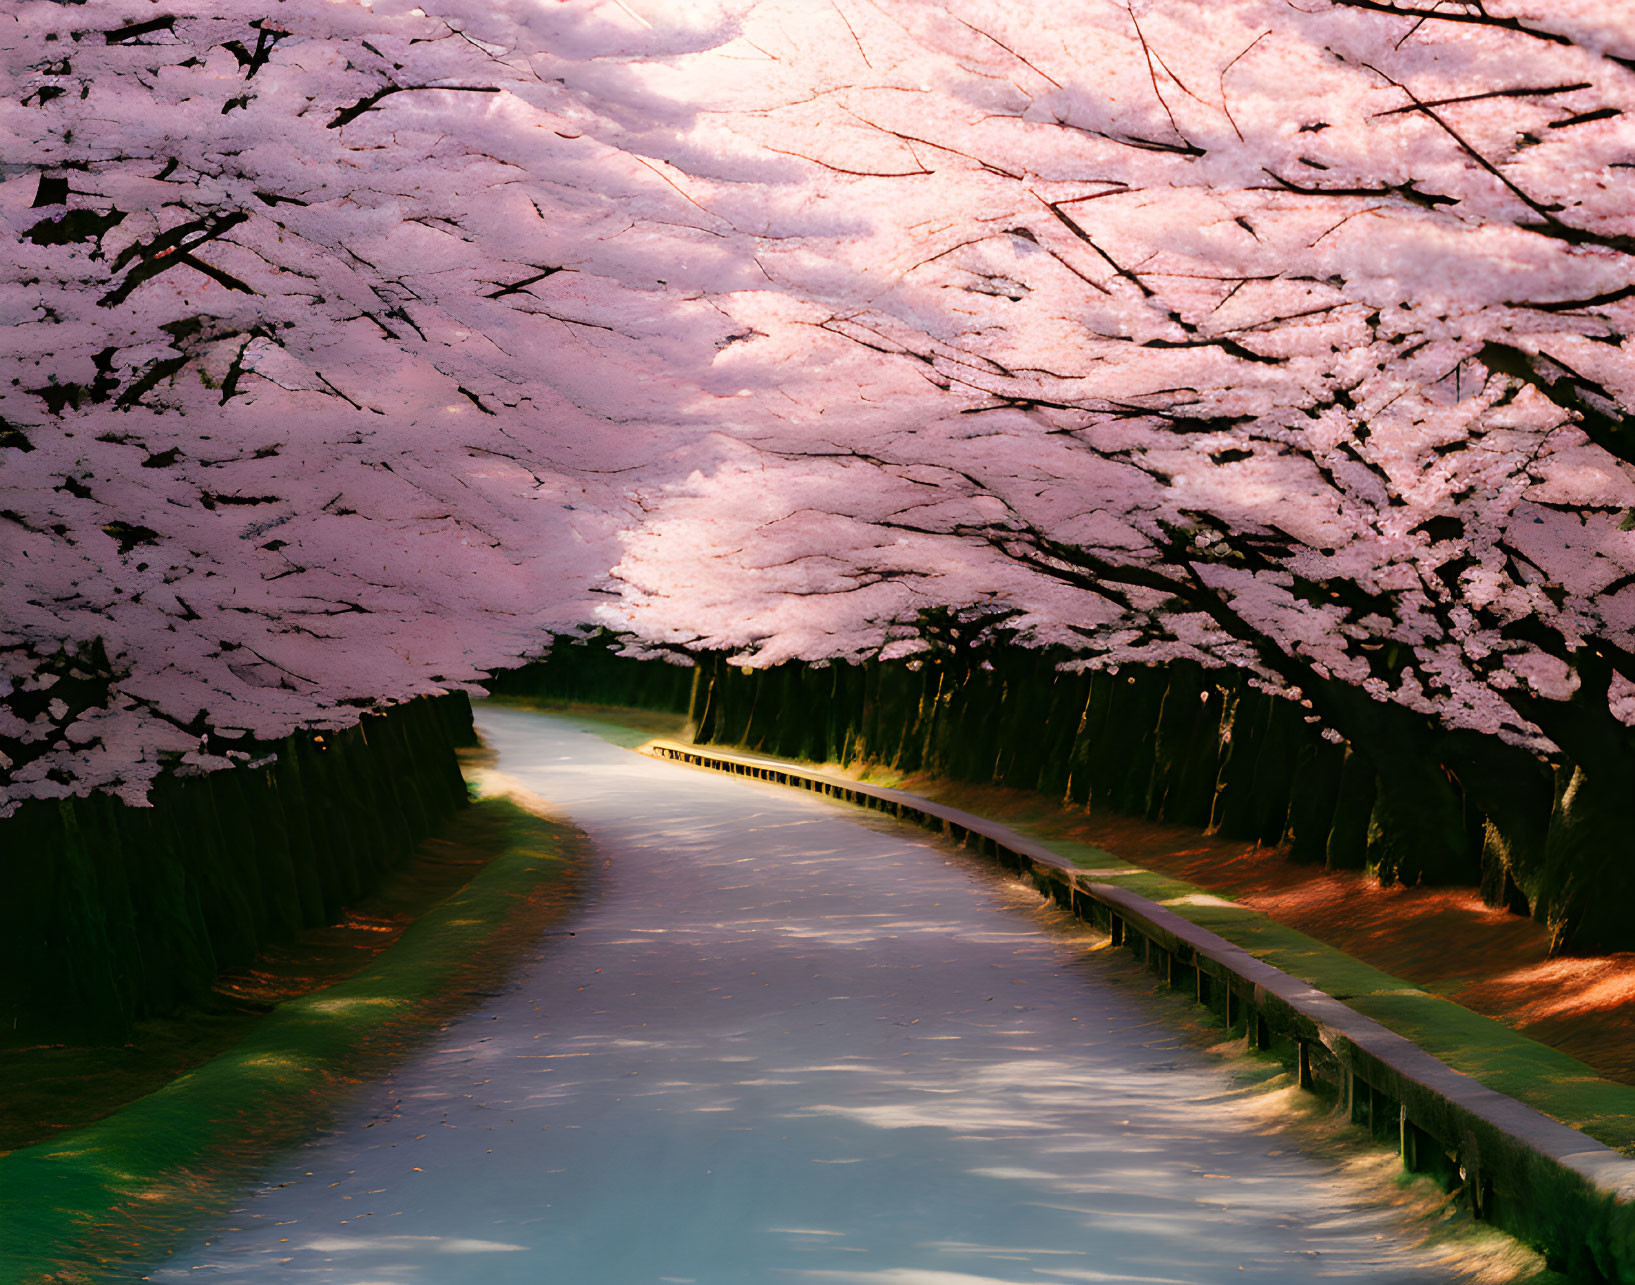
1347,847
1315,795
1135,729
1196,762
1512,793
1067,696
1416,832
1243,725
1588,888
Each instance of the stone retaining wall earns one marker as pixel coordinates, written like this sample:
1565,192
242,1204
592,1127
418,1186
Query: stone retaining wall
1544,1183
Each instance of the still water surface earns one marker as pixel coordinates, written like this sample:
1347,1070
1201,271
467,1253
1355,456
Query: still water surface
787,1041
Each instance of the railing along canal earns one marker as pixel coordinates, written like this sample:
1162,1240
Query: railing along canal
1543,1182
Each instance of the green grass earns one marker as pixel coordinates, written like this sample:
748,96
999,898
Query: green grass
1503,1059
1560,1086
1547,1080
116,1193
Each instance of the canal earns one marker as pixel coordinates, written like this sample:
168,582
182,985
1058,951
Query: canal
786,1040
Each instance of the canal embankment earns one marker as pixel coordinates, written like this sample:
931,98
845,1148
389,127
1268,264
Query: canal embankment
114,913
1331,777
786,1039
1191,778
1532,1167
289,1039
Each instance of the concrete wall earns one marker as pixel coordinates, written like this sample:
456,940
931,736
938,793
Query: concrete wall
1549,1185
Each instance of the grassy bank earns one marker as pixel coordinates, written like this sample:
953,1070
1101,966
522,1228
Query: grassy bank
1487,1050
1545,1078
114,914
104,1198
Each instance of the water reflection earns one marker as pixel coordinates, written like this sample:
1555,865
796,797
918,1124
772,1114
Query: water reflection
790,1042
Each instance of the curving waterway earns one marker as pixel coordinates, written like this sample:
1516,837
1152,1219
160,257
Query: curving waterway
784,1040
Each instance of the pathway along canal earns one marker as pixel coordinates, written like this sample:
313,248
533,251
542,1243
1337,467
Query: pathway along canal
787,1041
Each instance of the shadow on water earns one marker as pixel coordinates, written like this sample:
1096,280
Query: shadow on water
790,1042
85,1204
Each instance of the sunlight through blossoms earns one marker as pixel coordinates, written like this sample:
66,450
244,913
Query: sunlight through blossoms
352,350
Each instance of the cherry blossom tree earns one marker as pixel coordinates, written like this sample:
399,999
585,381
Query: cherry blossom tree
1285,338
330,333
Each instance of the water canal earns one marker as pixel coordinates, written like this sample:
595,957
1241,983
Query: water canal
786,1040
